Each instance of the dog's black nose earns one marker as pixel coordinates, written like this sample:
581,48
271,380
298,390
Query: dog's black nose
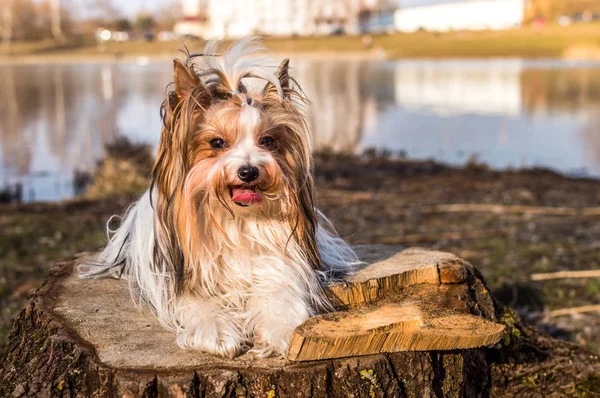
248,173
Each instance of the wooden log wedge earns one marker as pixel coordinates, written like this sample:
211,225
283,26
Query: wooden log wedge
389,328
387,271
400,315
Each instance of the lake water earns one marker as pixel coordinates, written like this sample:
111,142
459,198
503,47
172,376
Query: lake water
57,118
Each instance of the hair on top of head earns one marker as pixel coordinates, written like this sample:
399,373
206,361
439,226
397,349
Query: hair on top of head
245,58
223,71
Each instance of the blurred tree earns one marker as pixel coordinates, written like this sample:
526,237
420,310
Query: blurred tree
168,15
552,9
55,19
98,14
32,20
144,22
124,24
6,26
104,10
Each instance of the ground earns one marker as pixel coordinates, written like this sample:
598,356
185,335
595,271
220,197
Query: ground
373,199
390,202
552,41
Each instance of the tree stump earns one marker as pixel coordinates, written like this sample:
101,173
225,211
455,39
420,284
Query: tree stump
86,338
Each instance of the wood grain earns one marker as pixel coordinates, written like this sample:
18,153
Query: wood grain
406,300
392,328
387,271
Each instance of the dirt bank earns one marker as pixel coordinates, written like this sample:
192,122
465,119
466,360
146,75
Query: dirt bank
377,200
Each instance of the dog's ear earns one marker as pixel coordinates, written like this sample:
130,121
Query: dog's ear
180,112
187,85
186,81
283,76
172,164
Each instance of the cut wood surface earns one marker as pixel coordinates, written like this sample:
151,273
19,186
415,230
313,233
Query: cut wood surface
390,328
387,271
126,336
87,338
398,301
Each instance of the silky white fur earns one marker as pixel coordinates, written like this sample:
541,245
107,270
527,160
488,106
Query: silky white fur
257,285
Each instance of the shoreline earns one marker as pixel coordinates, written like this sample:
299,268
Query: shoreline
86,59
414,163
574,42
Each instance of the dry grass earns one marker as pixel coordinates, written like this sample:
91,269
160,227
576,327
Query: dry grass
551,41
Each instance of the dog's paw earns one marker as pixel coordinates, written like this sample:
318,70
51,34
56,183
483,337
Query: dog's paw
213,337
272,322
263,349
272,339
226,347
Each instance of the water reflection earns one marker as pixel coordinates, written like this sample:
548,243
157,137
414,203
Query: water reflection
453,88
591,137
57,118
566,91
15,149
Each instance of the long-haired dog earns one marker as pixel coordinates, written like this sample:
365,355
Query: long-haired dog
227,247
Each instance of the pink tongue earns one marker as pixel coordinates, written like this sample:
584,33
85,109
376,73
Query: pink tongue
245,196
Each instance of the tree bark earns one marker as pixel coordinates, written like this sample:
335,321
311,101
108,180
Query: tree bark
86,338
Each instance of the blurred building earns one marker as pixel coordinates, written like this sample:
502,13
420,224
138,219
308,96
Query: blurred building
237,18
461,15
195,22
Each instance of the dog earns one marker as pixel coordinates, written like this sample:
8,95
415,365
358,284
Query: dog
227,247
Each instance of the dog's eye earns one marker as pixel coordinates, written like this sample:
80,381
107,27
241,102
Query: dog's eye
267,142
217,143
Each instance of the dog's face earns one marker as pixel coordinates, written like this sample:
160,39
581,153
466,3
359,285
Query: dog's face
228,154
243,153
243,157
